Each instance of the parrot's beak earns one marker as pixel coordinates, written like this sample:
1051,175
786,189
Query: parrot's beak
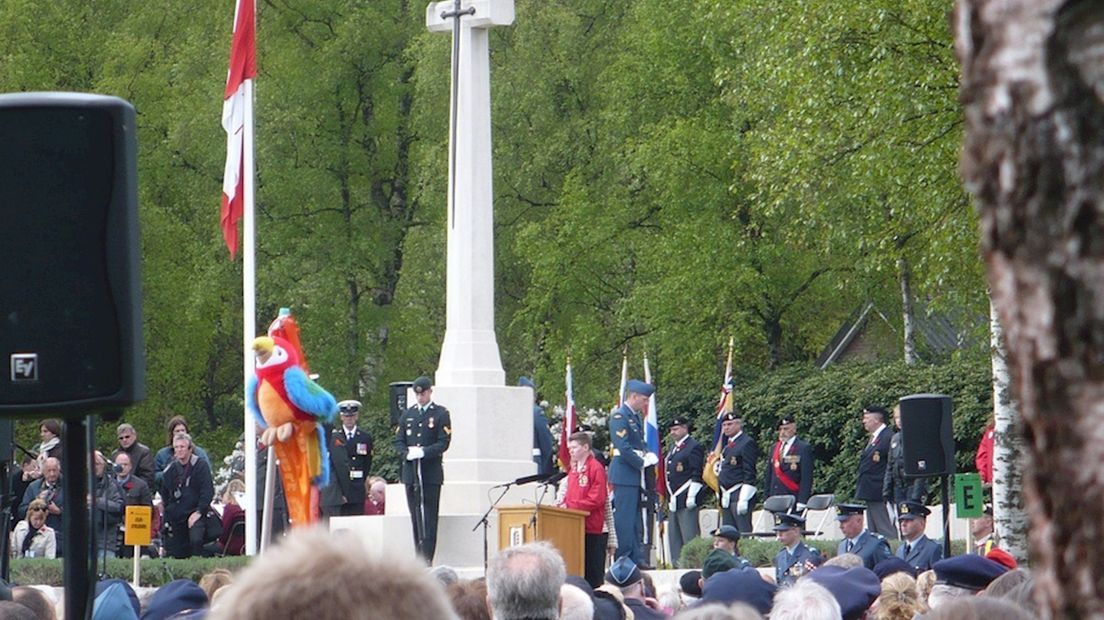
262,348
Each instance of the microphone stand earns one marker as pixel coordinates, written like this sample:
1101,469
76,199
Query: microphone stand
485,523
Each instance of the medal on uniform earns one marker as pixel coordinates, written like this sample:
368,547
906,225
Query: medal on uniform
678,467
431,422
583,480
408,432
877,456
793,466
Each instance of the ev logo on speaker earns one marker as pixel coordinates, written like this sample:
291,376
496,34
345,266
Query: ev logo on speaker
24,367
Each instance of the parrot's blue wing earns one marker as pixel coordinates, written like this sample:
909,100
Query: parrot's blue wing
323,477
308,395
251,400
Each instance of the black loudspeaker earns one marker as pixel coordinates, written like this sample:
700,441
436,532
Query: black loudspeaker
926,435
399,391
70,308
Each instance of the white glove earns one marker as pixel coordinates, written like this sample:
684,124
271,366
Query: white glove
692,495
672,505
725,499
800,507
414,453
742,507
650,459
746,493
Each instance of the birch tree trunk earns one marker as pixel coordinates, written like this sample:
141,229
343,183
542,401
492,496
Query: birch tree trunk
908,320
1032,86
1009,518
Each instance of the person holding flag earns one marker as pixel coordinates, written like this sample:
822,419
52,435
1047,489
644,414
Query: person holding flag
626,470
790,471
736,474
684,463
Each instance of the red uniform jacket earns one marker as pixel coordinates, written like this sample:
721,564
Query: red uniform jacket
586,490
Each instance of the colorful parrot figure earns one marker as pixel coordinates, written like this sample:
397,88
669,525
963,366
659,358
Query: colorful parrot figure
288,407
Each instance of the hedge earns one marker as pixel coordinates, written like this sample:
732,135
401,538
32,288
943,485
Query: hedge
155,572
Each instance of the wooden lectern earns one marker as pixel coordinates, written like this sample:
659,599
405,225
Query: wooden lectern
561,527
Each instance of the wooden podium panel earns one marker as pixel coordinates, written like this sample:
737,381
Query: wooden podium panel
563,528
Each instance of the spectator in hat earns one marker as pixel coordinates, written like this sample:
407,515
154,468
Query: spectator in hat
805,600
727,539
795,558
718,561
174,598
313,574
872,472
739,457
422,437
962,575
543,451
351,455
523,583
790,470
894,564
899,599
586,490
1002,557
690,584
683,465
981,529
739,585
896,488
855,589
918,550
870,546
630,457
626,576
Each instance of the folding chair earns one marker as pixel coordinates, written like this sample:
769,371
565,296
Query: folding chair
823,502
773,504
237,529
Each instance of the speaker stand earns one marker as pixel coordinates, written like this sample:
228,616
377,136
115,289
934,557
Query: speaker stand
78,572
946,515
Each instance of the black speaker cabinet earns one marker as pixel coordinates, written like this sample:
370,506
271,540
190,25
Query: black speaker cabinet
398,391
926,435
70,302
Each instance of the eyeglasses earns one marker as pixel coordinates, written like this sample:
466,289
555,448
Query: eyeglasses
124,436
38,509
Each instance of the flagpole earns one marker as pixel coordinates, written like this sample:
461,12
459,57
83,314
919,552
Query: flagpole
249,321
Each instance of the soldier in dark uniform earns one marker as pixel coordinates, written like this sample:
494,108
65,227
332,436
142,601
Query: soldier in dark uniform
421,439
796,558
790,470
739,455
918,550
872,471
683,468
896,488
356,444
626,470
869,546
542,437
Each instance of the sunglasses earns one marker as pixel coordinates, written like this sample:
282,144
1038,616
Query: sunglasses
124,436
38,509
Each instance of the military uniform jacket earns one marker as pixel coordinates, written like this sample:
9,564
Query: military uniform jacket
627,437
432,431
871,547
797,465
896,488
357,462
872,468
922,553
333,494
683,464
738,457
788,567
542,442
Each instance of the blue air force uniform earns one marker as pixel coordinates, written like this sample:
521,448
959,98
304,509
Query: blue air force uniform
923,552
789,566
626,475
869,546
543,451
430,429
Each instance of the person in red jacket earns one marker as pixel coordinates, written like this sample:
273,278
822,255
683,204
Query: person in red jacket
984,458
586,490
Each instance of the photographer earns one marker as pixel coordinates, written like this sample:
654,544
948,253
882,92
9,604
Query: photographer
107,509
186,493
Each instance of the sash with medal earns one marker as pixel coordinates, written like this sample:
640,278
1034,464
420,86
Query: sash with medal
776,462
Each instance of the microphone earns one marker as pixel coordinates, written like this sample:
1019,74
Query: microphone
522,480
555,478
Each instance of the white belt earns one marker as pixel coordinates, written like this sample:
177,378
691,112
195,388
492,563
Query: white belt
536,452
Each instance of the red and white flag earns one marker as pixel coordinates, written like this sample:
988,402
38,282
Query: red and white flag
243,67
569,424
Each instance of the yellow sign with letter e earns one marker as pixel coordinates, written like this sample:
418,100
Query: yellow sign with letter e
138,522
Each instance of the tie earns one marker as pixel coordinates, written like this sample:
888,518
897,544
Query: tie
850,546
349,435
908,549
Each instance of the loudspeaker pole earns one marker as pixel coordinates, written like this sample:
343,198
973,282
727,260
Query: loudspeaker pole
78,572
946,515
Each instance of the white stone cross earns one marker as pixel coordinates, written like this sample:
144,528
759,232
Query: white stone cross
469,354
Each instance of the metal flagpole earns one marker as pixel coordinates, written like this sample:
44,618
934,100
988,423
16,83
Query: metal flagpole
249,324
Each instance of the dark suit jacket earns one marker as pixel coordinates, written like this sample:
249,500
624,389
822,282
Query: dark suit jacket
136,492
738,460
923,554
797,465
895,487
872,468
432,431
684,464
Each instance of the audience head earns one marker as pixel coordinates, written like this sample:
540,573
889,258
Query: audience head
575,604
175,598
469,600
312,574
739,585
524,582
719,611
36,513
844,560
924,583
892,565
1005,583
127,435
717,561
177,424
854,588
214,581
233,489
626,576
805,600
122,463
10,610
977,608
35,600
899,599
49,429
444,574
51,470
962,575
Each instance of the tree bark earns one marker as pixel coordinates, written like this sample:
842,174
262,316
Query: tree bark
1034,161
907,319
1009,517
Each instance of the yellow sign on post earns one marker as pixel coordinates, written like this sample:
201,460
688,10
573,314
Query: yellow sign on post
138,522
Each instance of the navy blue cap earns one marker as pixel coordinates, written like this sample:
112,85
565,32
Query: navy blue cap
422,384
912,510
854,588
785,521
173,598
972,572
526,382
849,510
891,565
784,420
876,409
739,585
730,415
679,421
635,385
689,583
623,573
727,531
